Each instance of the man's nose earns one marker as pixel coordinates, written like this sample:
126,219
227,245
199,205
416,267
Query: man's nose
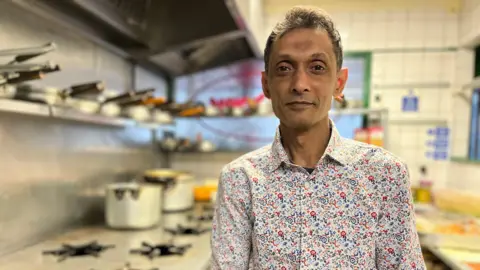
300,81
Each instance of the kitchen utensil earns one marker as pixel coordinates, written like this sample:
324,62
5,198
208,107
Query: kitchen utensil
185,145
132,103
84,97
178,192
132,205
131,97
23,73
237,111
21,77
161,116
154,101
161,176
206,146
85,89
7,91
140,113
179,196
169,143
22,53
264,107
211,111
195,110
28,67
27,92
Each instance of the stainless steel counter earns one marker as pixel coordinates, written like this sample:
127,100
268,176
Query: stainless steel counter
196,257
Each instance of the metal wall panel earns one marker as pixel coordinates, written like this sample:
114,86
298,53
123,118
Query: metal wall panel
52,172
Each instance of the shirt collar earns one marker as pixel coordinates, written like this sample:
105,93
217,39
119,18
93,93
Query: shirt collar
335,149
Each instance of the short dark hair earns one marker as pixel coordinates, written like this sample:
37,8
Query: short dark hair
305,17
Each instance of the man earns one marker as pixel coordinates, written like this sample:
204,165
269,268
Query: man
312,199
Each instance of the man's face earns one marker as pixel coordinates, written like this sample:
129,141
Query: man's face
302,78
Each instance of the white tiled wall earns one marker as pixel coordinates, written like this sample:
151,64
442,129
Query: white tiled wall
465,176
411,50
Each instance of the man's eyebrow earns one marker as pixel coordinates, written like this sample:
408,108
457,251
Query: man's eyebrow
319,55
286,56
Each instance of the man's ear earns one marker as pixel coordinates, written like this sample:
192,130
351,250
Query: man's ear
342,77
266,90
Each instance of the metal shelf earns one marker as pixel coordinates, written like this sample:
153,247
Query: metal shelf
419,121
74,115
67,113
358,111
21,107
414,85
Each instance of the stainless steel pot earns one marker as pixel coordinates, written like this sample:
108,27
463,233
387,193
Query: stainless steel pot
178,188
132,205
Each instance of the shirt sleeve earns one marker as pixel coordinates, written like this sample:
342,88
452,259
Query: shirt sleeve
397,244
232,226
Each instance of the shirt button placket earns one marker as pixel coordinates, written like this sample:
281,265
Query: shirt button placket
298,212
302,187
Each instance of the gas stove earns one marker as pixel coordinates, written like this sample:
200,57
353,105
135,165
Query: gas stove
184,245
151,251
90,249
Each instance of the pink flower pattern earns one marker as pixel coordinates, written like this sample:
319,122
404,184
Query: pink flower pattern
353,212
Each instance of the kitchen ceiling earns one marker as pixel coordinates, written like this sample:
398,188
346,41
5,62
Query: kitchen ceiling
279,6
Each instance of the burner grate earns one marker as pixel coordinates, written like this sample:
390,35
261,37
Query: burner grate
91,249
152,251
128,266
187,230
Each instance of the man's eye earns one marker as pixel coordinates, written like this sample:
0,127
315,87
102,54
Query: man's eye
283,68
318,67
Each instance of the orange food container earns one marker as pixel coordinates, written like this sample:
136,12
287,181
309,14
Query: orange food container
375,136
204,193
361,135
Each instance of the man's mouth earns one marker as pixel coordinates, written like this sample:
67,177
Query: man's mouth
299,104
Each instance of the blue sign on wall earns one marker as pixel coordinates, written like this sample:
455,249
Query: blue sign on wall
438,143
410,102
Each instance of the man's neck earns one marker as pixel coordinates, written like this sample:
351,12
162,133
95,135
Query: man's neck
306,148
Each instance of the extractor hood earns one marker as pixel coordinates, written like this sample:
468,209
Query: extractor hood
175,37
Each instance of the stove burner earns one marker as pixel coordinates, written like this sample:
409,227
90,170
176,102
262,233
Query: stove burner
187,230
127,266
90,249
207,208
152,251
206,217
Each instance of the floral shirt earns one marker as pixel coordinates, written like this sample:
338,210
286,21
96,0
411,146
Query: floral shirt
354,211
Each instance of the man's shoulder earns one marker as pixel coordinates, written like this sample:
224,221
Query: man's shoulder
374,154
258,157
